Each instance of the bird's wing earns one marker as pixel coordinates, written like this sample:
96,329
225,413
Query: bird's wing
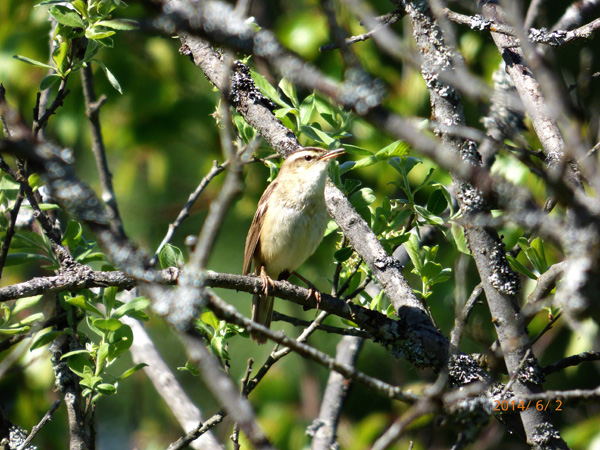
256,228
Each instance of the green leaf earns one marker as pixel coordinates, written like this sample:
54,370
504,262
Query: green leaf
120,24
45,338
363,162
350,185
101,356
273,170
66,16
30,240
80,6
49,2
49,81
317,135
109,76
92,33
518,267
191,368
33,62
81,302
219,347
109,298
436,203
363,197
266,89
397,149
412,248
131,371
306,109
90,381
396,240
170,256
14,330
120,341
107,324
75,352
538,255
43,206
14,259
210,319
358,151
59,56
444,275
106,42
377,301
399,219
431,270
343,254
289,90
24,303
8,184
73,233
458,233
106,388
137,304
91,50
430,218
89,320
331,227
80,363
32,319
404,165
234,330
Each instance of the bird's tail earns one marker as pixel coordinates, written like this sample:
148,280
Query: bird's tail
262,312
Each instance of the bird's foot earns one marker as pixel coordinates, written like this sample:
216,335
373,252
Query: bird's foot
267,281
314,293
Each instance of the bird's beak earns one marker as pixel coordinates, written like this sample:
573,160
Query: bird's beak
332,154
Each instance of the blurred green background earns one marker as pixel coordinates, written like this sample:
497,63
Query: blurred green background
162,139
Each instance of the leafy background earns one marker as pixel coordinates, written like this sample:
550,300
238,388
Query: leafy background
162,139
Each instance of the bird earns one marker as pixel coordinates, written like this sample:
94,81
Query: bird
288,225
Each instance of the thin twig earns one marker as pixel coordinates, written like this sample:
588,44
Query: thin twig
227,312
386,20
277,316
338,270
40,122
395,431
184,441
349,279
461,320
225,391
185,212
571,361
10,231
547,328
515,375
35,430
361,287
92,105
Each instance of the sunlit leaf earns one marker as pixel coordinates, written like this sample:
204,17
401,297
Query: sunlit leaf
109,76
66,16
33,62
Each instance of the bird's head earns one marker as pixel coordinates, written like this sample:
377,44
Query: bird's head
310,162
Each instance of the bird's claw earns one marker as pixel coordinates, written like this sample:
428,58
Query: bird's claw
316,294
267,281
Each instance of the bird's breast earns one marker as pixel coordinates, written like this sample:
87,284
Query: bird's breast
290,234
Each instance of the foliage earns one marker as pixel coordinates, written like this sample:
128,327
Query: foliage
161,140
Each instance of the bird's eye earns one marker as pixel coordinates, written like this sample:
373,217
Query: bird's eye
309,157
